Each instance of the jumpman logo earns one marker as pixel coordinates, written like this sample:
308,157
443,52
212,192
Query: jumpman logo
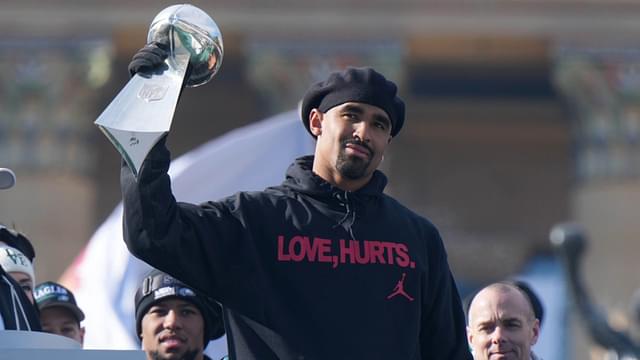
399,289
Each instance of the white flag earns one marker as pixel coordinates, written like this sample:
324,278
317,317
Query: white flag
104,277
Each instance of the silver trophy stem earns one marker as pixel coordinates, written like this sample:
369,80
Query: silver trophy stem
143,111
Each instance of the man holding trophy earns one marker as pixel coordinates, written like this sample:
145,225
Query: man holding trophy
324,265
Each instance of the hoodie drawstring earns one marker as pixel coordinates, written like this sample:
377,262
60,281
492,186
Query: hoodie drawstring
351,212
16,304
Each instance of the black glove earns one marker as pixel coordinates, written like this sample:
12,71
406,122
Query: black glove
149,59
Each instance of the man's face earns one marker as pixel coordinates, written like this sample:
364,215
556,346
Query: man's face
59,320
501,325
352,138
25,283
173,329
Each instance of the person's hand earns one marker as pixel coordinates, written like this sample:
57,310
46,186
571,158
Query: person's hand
149,59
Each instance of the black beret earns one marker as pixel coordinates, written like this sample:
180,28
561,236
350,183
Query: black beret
363,85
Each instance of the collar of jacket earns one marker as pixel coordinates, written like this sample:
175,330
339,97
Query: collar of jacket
300,177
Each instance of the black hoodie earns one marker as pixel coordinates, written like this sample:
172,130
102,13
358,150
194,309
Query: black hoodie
304,270
17,312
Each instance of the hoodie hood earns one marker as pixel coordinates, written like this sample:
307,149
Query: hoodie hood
300,177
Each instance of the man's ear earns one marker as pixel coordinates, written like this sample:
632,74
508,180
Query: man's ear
315,122
535,332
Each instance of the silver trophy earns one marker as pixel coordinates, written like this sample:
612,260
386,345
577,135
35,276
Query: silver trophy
143,110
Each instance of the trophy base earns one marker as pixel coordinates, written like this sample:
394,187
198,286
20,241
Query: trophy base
133,146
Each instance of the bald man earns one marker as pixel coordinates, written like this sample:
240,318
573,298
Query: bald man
502,324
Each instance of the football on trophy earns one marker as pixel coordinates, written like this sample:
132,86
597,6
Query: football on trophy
186,28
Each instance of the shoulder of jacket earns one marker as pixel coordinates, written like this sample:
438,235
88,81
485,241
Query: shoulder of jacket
412,215
268,195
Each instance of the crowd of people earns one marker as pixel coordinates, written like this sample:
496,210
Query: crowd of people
174,321
325,265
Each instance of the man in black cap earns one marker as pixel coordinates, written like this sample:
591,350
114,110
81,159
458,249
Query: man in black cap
323,266
173,321
59,313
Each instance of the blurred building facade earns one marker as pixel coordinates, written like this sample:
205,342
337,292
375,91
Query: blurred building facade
520,115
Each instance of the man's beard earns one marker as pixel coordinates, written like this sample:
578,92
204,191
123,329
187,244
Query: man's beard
353,167
188,355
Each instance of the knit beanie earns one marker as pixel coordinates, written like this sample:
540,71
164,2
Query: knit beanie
12,260
158,286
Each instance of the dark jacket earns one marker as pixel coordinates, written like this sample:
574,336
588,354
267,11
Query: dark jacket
17,311
304,270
